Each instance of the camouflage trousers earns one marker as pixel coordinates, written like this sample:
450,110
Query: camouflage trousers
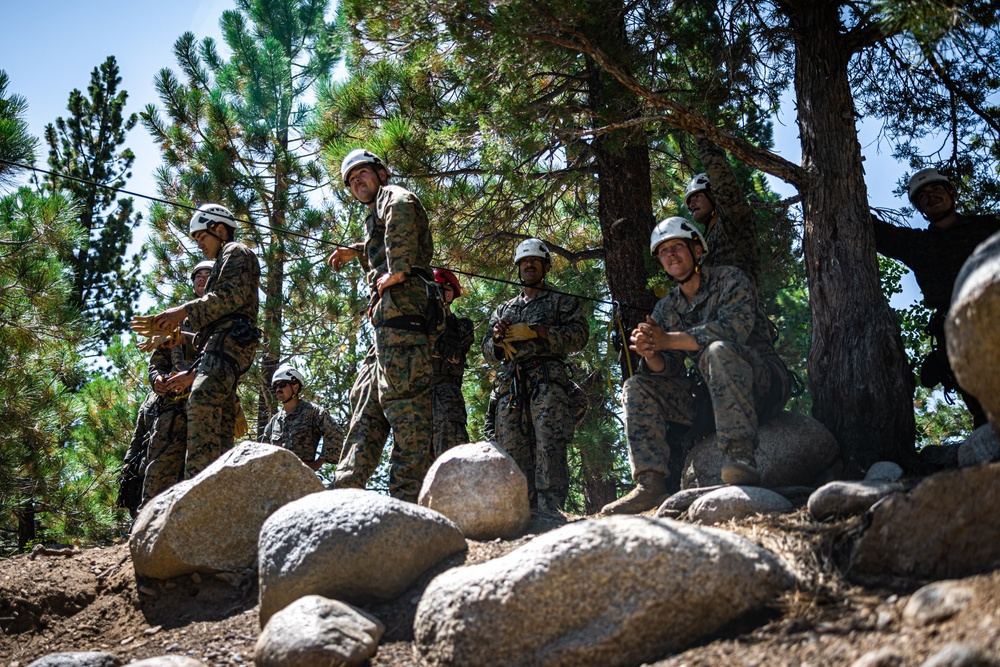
534,424
738,382
211,415
167,447
392,391
449,414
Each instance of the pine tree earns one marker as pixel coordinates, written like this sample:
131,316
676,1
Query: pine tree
232,133
16,143
87,145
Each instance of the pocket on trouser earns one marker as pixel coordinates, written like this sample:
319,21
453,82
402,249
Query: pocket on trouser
404,373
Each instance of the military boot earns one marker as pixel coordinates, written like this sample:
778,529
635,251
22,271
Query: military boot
740,468
650,490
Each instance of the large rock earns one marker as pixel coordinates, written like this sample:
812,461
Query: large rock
982,446
737,502
316,632
617,591
481,489
349,545
794,450
945,527
78,659
847,498
971,327
210,523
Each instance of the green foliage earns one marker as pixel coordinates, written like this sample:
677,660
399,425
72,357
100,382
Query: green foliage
87,146
39,335
16,142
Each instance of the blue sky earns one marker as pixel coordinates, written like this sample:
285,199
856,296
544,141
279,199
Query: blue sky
51,46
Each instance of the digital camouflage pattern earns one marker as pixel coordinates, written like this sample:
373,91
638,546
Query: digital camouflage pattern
744,377
732,237
450,417
167,444
534,417
230,298
393,390
300,431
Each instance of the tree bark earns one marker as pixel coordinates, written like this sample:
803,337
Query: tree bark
861,386
625,213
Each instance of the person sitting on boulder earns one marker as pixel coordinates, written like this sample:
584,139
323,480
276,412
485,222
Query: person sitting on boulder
712,318
936,255
300,425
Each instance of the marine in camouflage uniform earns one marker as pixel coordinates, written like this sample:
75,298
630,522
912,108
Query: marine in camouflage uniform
134,462
299,425
448,361
398,251
936,255
725,215
226,321
168,441
534,416
711,318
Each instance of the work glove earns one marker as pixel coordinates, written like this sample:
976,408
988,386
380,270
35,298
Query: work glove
157,340
521,331
143,325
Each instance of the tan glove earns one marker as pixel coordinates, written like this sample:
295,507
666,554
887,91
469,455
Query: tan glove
519,332
143,325
241,427
508,349
159,340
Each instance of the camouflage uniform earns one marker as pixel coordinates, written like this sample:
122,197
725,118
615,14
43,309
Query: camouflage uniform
744,377
534,418
131,479
168,442
449,404
226,322
732,236
936,256
396,389
300,430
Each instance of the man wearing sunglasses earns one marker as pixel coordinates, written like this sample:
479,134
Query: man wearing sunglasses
300,425
936,255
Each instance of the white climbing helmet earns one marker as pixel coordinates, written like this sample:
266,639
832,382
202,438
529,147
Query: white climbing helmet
288,374
208,215
675,227
532,248
203,264
925,177
697,184
358,157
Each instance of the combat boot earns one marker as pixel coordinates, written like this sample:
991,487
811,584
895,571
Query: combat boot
740,468
650,490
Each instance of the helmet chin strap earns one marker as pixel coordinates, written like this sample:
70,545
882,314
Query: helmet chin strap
687,279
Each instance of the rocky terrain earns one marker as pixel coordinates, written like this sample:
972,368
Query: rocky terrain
56,600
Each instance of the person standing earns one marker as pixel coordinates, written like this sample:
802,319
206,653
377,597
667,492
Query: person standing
393,386
530,337
448,360
226,321
299,425
936,255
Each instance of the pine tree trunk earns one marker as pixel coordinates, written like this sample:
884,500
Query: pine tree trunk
26,533
861,386
625,213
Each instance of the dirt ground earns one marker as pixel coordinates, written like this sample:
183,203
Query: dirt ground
89,600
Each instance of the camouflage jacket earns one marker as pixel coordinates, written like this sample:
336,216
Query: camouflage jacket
300,431
732,237
398,239
563,316
724,308
159,364
463,330
935,255
231,291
